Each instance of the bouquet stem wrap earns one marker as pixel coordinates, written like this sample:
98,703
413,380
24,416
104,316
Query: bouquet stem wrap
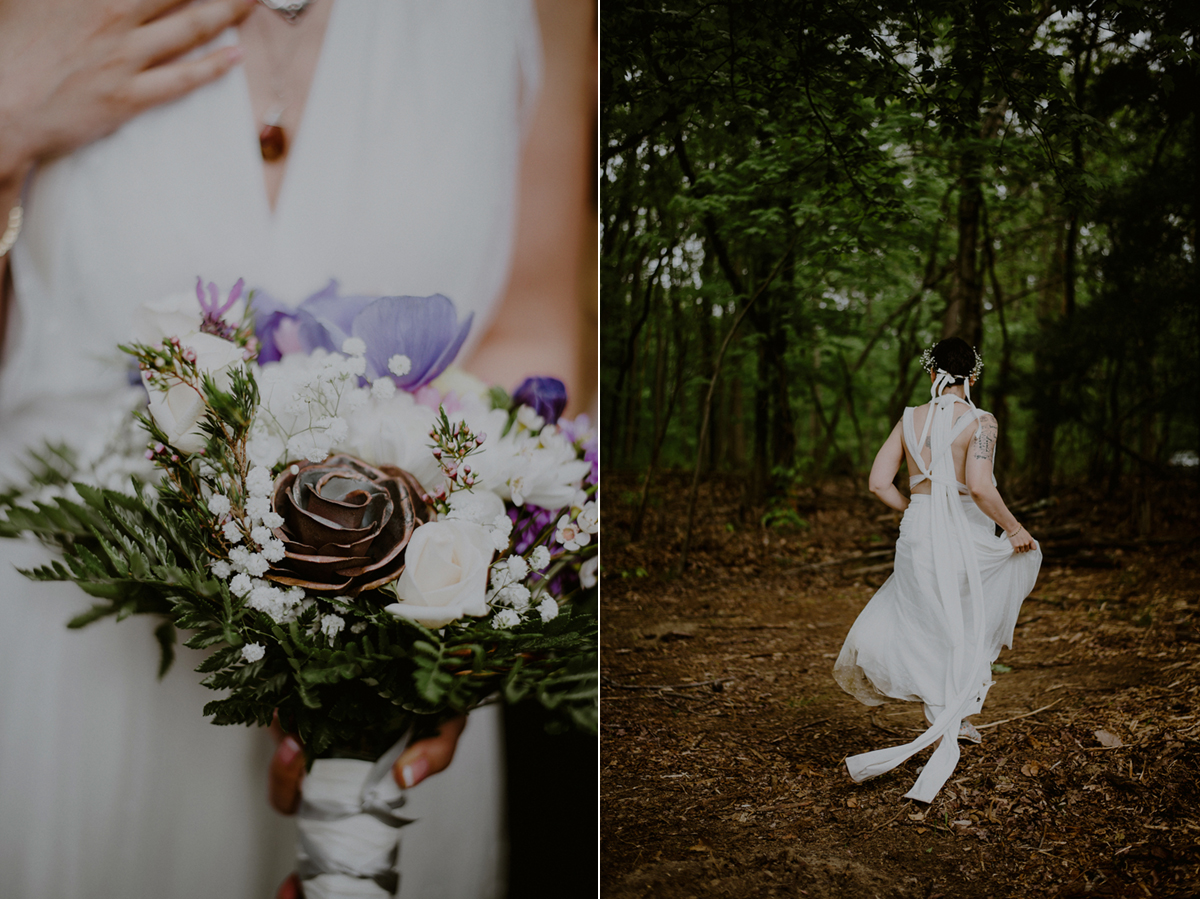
348,842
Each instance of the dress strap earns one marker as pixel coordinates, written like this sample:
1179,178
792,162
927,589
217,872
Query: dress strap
942,405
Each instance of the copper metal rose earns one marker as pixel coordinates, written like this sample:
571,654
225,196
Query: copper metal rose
345,524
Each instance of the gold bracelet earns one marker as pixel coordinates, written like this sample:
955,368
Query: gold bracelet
1017,531
15,215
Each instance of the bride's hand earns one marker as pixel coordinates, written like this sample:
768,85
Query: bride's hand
1021,540
72,72
423,758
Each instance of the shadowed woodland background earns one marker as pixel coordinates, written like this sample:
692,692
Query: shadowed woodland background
832,187
796,199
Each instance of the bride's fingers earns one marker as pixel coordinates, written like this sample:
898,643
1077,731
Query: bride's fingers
429,756
168,82
290,888
181,31
285,776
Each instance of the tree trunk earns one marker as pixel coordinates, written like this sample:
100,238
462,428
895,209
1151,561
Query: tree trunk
1046,411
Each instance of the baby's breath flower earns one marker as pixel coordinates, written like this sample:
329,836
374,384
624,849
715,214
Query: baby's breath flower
500,530
548,609
518,567
515,595
257,507
353,346
218,504
221,569
539,558
273,550
252,652
232,531
383,389
506,618
273,520
500,576
259,481
261,535
399,365
257,565
331,626
240,585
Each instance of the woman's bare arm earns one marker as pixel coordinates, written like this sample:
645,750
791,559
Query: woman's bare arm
883,471
541,324
980,458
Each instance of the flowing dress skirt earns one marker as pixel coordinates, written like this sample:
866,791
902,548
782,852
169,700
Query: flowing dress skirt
905,645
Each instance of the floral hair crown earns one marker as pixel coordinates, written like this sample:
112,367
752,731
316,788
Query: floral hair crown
928,363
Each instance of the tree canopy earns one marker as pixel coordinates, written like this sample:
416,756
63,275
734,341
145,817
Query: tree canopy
846,183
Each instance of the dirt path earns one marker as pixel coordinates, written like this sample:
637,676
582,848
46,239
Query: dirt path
723,733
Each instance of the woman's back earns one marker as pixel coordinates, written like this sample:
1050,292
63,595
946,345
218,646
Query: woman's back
958,448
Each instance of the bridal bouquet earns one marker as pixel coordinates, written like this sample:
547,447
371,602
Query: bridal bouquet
364,539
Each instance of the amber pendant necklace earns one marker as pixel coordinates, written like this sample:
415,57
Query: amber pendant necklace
273,141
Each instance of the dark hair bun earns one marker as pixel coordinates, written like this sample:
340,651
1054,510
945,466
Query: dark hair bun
954,355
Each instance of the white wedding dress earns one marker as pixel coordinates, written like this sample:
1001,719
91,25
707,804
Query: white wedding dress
401,180
932,631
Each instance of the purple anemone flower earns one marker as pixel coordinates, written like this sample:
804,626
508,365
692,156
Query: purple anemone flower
326,318
275,326
547,396
425,330
320,321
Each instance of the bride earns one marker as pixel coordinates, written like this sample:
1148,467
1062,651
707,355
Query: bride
932,631
371,141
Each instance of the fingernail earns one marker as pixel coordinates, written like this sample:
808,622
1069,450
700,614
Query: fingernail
289,748
414,773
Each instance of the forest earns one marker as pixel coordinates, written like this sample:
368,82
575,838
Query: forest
797,198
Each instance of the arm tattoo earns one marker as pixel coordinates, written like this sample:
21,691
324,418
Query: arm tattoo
985,438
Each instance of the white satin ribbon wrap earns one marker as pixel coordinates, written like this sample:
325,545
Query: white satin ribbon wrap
963,686
348,841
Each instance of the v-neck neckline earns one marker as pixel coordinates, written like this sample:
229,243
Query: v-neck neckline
298,149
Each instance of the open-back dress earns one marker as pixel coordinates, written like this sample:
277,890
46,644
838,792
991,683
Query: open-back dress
932,631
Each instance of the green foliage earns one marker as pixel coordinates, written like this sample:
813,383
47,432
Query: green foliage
149,554
1021,175
782,517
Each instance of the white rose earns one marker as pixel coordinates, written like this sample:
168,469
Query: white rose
445,573
174,316
179,409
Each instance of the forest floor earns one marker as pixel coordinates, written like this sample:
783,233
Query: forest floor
724,734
